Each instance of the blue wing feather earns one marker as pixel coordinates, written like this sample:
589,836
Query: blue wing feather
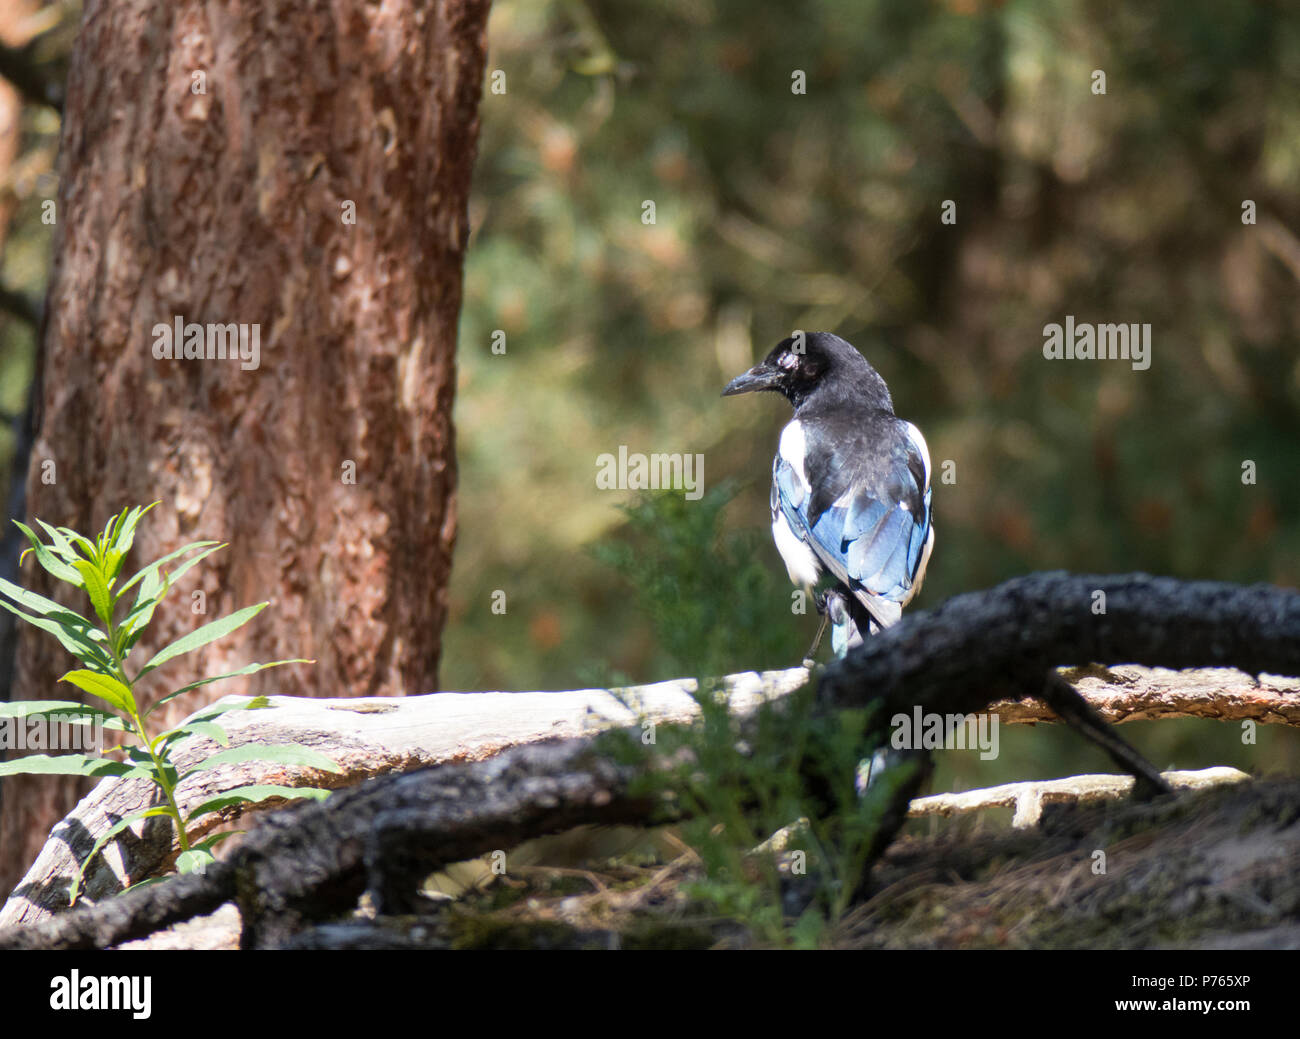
867,538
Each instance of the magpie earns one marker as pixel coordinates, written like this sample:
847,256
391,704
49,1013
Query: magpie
850,485
851,499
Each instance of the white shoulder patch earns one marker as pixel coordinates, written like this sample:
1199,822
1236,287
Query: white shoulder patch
792,448
800,561
922,449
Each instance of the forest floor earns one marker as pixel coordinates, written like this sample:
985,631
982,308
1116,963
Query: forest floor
1212,869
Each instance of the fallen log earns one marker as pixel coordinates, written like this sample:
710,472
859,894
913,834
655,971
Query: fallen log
376,736
365,738
975,649
314,860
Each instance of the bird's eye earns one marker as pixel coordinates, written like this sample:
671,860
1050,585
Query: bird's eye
789,362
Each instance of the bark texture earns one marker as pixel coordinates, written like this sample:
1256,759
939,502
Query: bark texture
211,156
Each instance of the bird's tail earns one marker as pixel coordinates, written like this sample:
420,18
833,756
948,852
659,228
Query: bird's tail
851,622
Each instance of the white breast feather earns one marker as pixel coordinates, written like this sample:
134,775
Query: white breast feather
792,448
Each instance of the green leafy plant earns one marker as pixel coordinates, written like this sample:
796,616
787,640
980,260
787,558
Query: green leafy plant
741,789
103,647
717,599
717,603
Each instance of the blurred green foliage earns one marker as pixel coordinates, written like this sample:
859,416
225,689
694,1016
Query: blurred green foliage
788,785
708,593
777,210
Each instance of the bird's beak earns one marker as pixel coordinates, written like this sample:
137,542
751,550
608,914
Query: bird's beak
761,377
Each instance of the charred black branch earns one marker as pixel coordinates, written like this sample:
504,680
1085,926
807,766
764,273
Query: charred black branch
313,861
1005,643
984,646
135,914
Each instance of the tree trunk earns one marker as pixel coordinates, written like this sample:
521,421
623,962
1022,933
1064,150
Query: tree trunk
212,157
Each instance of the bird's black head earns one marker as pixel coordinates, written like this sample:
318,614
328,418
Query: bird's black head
814,365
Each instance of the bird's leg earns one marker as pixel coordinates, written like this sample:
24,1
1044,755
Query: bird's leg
819,600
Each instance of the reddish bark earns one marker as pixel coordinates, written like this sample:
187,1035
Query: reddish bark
228,206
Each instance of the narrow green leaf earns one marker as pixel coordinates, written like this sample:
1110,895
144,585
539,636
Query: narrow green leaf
158,588
107,836
162,773
202,636
278,752
129,620
118,536
30,708
147,882
157,564
106,687
59,545
112,565
254,793
132,626
193,728
66,765
254,703
138,754
78,636
48,560
128,644
76,643
251,669
39,708
40,604
175,575
83,543
97,589
124,537
114,524
153,589
213,839
143,766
